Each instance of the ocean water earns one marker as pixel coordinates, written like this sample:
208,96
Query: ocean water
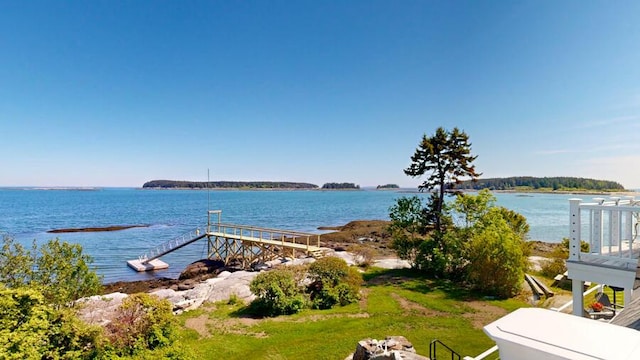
27,215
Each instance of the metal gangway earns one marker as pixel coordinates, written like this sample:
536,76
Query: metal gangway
172,245
240,245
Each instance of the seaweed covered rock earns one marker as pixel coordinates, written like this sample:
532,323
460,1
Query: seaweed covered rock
202,267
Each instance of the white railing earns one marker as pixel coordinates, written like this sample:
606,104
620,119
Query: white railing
609,226
285,237
170,245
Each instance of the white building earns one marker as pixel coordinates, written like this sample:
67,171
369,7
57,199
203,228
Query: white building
611,229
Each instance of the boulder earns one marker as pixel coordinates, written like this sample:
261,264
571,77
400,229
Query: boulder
200,268
391,348
100,309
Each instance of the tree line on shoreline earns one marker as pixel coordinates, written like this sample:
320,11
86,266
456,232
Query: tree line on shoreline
177,184
539,183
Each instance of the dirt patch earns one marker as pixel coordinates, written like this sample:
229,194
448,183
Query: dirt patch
314,318
411,306
387,280
207,327
483,313
364,297
199,324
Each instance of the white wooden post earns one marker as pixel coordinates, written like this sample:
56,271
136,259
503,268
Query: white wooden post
596,229
577,288
614,228
577,285
614,225
574,229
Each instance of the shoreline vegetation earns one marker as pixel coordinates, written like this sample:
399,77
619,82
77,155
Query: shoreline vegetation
521,184
246,185
179,184
542,184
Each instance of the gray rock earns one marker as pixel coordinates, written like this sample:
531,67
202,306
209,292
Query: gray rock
100,309
392,348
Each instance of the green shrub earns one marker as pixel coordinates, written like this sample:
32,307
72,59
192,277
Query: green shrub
556,263
496,258
143,322
31,328
59,269
277,293
234,300
334,283
552,267
441,254
329,270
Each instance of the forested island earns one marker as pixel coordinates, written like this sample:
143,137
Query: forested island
541,183
340,186
174,184
387,186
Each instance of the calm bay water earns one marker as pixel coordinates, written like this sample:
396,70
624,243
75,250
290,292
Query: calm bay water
26,214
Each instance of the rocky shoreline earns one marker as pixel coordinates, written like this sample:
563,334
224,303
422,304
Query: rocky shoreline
343,241
210,281
203,281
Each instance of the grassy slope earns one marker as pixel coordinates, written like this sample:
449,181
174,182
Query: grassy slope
396,302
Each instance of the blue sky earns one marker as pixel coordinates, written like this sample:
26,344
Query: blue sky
117,93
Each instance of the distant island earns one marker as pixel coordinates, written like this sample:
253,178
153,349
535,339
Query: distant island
340,186
174,184
387,186
524,183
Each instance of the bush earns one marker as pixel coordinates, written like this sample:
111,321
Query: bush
552,267
329,270
556,263
496,258
334,282
407,248
31,328
143,322
277,293
59,269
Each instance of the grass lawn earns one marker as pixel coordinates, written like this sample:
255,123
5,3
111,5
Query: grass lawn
394,302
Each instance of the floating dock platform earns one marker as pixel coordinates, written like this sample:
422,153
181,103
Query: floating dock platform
155,264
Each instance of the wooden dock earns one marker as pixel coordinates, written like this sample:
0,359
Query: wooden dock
241,245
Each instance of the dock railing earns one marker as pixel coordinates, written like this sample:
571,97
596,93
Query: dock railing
172,245
267,235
